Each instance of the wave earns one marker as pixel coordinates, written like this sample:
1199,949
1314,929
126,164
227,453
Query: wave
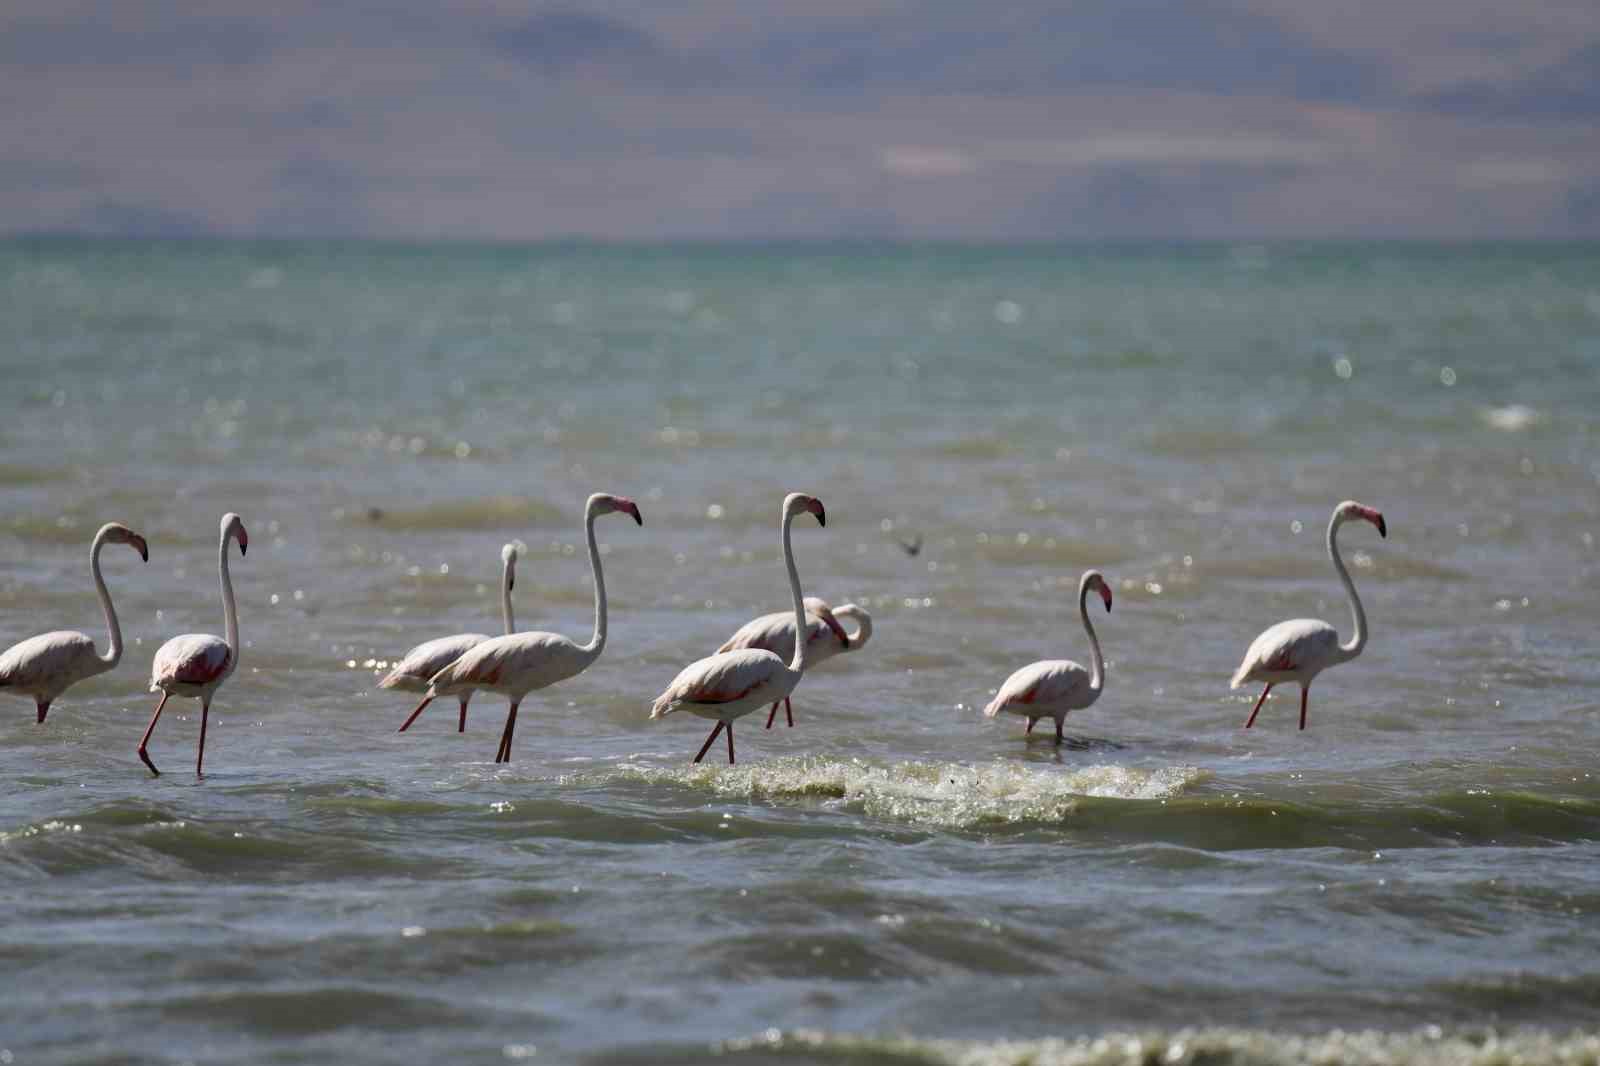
935,794
485,513
1427,1046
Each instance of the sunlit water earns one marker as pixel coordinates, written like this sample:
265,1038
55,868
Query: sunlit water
896,878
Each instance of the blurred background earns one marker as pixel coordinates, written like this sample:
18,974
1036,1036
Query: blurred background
749,118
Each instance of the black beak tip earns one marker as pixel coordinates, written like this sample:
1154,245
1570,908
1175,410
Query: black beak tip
144,553
244,549
638,518
1383,528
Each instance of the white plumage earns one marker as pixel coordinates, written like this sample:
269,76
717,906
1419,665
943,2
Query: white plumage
196,664
519,663
1053,688
414,672
45,666
1300,649
730,684
825,637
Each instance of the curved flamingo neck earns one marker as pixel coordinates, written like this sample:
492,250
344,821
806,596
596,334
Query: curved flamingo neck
798,663
230,613
596,643
863,631
1359,640
113,654
1097,675
505,594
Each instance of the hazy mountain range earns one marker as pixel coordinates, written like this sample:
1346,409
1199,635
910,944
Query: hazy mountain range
825,119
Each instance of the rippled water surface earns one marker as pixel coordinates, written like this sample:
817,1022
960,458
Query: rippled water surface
1414,878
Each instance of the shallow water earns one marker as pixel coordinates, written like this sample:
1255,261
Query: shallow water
896,878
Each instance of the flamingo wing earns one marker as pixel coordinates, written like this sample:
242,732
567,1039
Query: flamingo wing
192,659
1041,688
426,659
726,677
48,662
1292,647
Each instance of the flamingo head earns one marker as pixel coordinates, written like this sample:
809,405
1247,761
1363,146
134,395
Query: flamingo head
1351,509
798,502
508,556
1094,579
605,503
233,526
117,533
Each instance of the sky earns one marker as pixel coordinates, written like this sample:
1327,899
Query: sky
814,120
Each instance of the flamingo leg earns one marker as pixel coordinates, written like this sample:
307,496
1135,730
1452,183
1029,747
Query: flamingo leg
44,709
1305,690
462,728
707,745
1029,731
788,712
772,714
1252,719
730,743
1059,723
504,754
151,728
200,759
407,724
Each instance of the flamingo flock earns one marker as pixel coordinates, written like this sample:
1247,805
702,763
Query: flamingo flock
760,665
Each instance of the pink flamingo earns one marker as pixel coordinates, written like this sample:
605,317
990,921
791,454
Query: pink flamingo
1053,687
196,664
519,663
47,665
414,672
825,637
1300,649
730,684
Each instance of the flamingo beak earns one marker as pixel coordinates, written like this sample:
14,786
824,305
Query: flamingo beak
1105,594
838,630
244,541
815,507
141,547
628,507
1383,528
43,710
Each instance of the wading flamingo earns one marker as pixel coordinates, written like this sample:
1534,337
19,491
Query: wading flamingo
730,684
519,663
47,665
195,664
416,669
825,637
1053,687
1300,649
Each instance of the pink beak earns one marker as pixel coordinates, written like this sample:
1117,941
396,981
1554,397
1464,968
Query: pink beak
838,630
1105,594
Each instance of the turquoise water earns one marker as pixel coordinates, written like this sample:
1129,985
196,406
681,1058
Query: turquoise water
896,878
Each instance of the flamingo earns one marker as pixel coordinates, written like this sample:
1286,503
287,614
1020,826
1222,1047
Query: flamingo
730,684
1300,649
775,633
47,665
412,673
195,664
519,663
1053,687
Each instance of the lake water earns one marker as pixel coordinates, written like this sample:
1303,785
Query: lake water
1414,878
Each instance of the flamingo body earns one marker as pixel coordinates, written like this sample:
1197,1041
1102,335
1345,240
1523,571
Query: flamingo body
1053,688
1296,650
825,637
415,671
727,685
47,665
1301,648
1044,690
513,665
192,664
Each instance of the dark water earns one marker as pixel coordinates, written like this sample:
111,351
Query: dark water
896,879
